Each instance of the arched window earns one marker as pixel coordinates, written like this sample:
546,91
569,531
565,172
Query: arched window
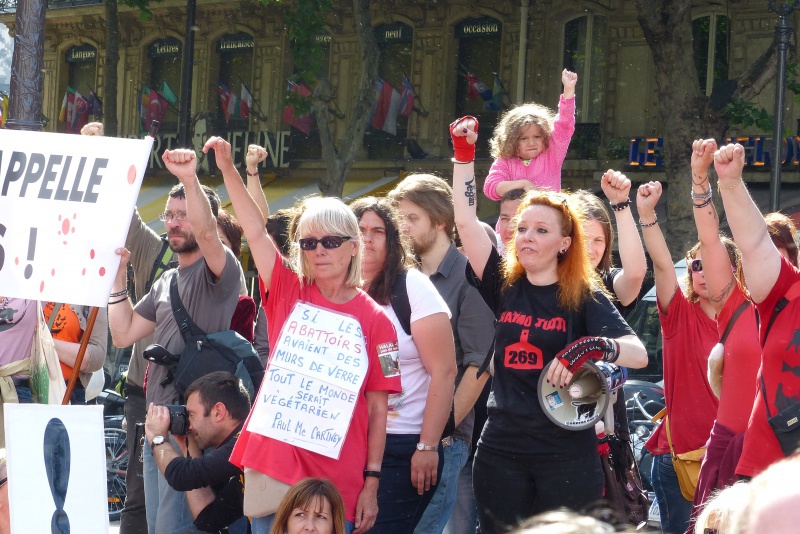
162,73
234,67
711,44
385,139
584,54
478,64
81,64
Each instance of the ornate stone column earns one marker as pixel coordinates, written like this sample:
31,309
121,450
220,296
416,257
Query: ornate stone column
27,80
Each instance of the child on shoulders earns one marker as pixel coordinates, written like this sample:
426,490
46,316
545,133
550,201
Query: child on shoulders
530,143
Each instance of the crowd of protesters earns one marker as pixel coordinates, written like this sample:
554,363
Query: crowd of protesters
443,325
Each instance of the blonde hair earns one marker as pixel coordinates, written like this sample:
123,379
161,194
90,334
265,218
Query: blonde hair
506,135
735,258
328,216
576,276
719,511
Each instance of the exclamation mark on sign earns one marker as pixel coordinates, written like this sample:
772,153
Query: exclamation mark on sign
31,250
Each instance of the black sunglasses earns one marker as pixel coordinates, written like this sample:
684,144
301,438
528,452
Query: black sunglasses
329,242
697,266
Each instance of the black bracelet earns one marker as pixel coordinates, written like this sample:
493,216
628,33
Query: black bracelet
119,293
619,206
118,301
708,201
375,474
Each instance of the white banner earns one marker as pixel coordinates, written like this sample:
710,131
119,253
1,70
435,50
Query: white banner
312,384
56,467
65,205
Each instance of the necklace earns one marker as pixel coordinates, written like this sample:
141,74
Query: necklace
526,162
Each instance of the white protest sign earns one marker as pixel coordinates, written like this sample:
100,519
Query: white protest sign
65,205
56,467
313,381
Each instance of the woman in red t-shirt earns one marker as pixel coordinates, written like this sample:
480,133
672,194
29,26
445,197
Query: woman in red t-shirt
741,356
689,332
326,273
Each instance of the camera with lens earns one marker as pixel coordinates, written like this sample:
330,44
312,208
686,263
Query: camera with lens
160,355
178,419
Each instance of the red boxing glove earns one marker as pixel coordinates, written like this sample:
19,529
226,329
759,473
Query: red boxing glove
595,348
602,444
464,151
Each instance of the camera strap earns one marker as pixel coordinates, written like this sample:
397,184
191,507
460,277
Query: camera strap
187,327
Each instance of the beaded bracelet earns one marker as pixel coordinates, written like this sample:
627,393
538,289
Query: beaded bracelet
251,173
729,187
619,206
704,195
119,293
648,225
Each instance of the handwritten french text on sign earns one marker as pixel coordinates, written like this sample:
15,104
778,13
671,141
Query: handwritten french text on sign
65,206
313,381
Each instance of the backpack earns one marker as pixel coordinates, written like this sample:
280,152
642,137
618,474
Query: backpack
400,303
217,351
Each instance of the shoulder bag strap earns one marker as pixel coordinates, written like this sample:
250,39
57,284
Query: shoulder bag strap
793,293
669,437
743,306
185,323
56,309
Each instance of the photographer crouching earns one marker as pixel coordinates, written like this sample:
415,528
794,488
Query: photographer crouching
206,430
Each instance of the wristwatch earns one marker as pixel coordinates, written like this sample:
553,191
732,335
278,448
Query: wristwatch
157,440
422,447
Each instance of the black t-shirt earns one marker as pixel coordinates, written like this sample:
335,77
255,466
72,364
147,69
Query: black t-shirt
608,281
531,329
225,479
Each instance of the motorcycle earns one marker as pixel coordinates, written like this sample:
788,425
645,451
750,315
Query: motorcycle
116,444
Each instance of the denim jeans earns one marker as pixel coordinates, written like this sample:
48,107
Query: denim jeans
262,525
441,506
167,509
24,395
400,507
673,508
464,519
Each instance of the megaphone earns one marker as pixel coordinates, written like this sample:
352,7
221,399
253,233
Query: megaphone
585,399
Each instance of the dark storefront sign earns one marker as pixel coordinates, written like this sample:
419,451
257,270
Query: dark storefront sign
648,152
81,54
165,48
394,33
276,143
479,27
235,42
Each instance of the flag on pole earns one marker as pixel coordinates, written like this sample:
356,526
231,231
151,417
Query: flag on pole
496,103
246,102
167,93
233,107
80,114
477,88
224,97
66,104
95,105
156,109
301,122
144,106
407,98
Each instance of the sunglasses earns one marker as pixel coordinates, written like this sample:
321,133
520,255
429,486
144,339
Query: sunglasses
697,266
328,242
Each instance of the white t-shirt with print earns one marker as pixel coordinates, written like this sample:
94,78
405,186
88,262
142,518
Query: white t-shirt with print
406,408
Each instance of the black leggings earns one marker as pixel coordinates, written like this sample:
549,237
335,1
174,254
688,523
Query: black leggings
509,490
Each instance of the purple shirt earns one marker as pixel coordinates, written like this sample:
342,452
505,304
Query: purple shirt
543,171
17,327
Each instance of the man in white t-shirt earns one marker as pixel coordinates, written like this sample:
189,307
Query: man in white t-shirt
426,208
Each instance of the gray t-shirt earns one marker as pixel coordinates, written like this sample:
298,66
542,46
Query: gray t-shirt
209,303
471,319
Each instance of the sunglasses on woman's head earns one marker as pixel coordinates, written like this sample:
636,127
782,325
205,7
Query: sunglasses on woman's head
329,242
697,266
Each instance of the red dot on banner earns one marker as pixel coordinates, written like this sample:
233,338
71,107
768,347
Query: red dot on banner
65,226
74,215
52,272
65,242
91,253
16,261
41,286
59,217
102,271
73,229
132,174
83,272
